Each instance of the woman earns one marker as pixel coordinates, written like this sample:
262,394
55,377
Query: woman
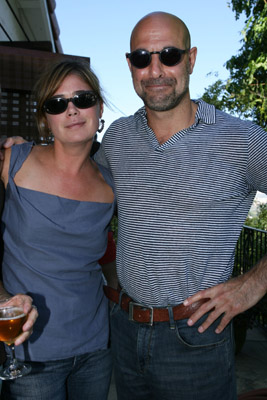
58,206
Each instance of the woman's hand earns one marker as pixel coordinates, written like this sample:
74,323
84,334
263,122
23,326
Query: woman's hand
25,302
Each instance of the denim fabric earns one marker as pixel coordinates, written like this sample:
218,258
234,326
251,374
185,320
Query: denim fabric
78,378
164,361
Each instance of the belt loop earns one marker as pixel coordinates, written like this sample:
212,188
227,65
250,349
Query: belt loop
121,294
172,323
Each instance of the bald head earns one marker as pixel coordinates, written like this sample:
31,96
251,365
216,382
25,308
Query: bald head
156,22
161,61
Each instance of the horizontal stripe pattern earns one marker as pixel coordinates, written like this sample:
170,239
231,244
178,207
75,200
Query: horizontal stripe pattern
182,204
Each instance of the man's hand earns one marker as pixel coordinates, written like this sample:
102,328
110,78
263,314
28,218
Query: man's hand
230,298
9,141
25,302
6,142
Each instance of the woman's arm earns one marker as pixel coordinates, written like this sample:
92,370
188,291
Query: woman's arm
20,300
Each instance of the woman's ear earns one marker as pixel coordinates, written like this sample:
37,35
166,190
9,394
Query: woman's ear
101,109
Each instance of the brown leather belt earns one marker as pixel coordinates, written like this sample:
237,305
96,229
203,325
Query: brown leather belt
140,313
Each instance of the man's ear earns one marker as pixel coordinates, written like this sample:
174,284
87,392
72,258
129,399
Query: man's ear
129,64
192,58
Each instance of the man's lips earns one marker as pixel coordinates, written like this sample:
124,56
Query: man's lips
157,87
158,83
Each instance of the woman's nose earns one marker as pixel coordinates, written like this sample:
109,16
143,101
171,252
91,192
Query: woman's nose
72,110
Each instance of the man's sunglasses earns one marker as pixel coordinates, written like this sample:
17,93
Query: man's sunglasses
169,56
57,105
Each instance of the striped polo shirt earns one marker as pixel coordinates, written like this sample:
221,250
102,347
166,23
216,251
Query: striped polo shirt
182,204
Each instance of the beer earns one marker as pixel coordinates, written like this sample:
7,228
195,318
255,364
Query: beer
11,322
12,319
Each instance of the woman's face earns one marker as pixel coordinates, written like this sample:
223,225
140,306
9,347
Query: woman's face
74,125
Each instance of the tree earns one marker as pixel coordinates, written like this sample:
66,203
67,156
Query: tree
245,92
260,221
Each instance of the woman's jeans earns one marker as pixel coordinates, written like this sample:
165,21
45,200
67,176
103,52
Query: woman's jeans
78,378
170,360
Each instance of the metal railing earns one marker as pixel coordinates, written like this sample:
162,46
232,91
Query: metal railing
250,248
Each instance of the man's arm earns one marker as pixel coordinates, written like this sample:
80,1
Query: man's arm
25,302
230,298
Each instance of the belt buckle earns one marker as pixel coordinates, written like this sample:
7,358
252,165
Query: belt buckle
132,304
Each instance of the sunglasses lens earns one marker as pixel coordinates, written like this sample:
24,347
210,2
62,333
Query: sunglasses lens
170,56
140,58
85,100
56,105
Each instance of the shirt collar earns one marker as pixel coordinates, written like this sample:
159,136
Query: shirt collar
205,112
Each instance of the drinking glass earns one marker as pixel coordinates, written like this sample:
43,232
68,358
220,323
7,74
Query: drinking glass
12,319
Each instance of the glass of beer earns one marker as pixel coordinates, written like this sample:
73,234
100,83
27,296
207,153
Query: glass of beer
12,319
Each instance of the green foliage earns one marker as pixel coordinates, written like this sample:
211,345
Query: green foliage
215,95
114,227
260,221
245,92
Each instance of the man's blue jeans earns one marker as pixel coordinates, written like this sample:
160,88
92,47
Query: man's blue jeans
169,360
79,378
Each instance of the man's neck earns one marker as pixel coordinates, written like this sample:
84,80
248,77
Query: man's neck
166,123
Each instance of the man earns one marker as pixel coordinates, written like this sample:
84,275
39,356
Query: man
185,175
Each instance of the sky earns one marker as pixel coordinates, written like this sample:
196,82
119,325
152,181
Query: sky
101,30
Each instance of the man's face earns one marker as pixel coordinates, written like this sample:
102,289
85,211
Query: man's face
161,87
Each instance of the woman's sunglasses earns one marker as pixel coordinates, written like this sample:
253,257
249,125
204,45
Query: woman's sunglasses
57,105
169,56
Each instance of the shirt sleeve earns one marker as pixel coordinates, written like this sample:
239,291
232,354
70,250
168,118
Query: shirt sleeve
100,156
257,158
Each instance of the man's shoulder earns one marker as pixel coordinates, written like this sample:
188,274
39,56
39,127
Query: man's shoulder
127,120
121,122
222,117
233,122
124,128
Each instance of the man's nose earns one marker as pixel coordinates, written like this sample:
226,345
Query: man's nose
156,67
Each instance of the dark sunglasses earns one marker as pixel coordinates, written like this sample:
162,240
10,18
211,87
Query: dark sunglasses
169,56
57,105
